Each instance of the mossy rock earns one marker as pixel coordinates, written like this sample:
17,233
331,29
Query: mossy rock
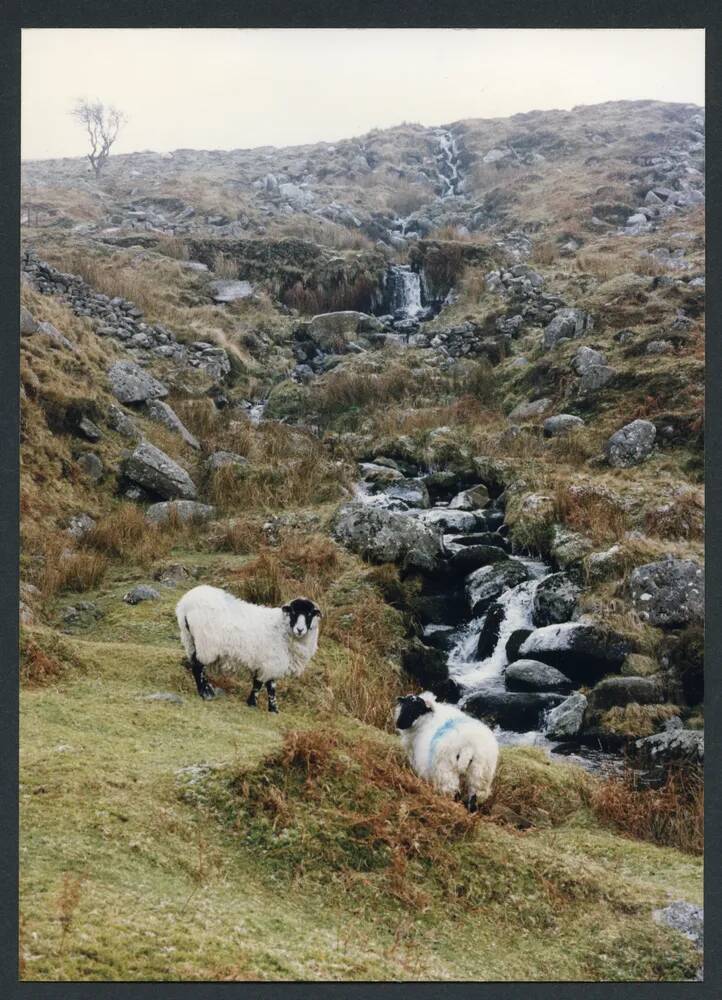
288,400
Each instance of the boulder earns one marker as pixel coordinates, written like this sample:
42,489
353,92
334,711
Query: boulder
532,675
221,459
118,420
427,666
91,465
474,498
333,332
555,600
151,468
412,492
568,548
80,524
520,711
631,444
28,324
585,358
56,338
596,377
530,411
669,593
373,472
566,719
491,630
686,918
446,519
561,423
672,747
230,291
163,414
130,384
470,557
488,583
287,400
584,653
89,430
182,510
387,536
623,691
173,574
453,542
513,643
141,593
566,324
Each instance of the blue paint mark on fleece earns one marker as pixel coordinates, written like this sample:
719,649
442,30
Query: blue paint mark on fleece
444,728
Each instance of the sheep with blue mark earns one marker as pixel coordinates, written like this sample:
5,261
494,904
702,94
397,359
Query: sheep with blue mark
447,747
219,631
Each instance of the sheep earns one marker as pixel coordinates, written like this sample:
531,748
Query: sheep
444,745
219,630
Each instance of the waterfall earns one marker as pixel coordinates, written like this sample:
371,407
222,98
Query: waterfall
404,291
473,674
449,169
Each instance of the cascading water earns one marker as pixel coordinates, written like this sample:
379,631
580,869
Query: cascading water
473,674
476,676
404,291
449,169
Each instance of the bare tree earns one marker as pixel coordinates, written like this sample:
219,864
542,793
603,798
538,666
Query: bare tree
102,125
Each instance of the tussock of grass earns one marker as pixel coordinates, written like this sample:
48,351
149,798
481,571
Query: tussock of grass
44,657
635,720
592,511
672,815
69,569
126,534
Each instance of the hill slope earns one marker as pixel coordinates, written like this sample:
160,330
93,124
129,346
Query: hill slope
188,416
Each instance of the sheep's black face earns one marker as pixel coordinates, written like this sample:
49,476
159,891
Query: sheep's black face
409,709
303,615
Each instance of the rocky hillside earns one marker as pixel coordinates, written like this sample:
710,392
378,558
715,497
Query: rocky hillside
449,383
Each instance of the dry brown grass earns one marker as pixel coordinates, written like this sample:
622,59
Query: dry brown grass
239,535
225,266
68,901
126,534
37,665
69,569
394,819
591,511
45,657
327,234
544,252
608,262
173,246
682,517
356,295
200,416
672,815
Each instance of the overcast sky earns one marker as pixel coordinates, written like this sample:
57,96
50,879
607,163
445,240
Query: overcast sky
230,88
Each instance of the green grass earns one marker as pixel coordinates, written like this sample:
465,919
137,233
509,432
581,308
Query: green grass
170,888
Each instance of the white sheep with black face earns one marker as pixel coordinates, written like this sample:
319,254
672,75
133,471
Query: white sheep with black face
447,747
218,630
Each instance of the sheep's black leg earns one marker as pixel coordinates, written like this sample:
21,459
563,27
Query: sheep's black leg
199,675
272,704
252,699
472,804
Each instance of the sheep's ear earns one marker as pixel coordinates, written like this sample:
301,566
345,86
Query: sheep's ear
286,609
428,699
317,611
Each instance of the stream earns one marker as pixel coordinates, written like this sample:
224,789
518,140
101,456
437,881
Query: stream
476,676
